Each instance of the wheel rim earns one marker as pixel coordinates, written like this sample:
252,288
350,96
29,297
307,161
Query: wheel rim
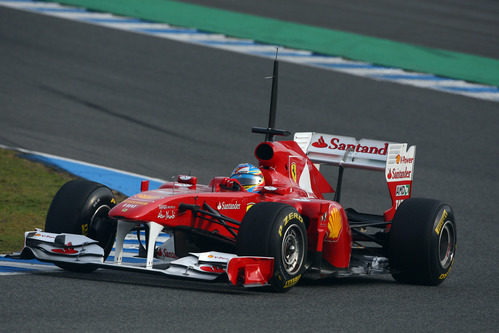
446,244
98,220
292,250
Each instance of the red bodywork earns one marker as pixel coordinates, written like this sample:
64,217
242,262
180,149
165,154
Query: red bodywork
290,177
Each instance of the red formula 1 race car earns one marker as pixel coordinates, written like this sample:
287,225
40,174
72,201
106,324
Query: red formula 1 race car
265,225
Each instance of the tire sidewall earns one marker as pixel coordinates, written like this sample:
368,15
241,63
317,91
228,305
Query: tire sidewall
286,219
437,273
94,218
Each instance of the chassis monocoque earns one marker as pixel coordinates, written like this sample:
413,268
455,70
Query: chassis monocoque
274,237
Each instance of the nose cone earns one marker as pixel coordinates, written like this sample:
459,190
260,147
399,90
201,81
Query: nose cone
137,207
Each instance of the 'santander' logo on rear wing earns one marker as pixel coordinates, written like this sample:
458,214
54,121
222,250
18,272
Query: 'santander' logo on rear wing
343,150
347,143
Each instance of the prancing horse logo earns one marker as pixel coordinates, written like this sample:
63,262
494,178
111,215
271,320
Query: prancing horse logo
293,171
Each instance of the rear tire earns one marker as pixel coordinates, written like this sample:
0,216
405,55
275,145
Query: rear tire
272,229
422,242
81,207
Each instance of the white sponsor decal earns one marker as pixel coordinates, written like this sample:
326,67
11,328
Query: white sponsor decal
166,212
223,206
128,205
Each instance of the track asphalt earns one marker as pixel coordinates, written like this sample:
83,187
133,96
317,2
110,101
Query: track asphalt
252,47
317,39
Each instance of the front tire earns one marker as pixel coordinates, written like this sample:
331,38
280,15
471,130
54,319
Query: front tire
422,242
81,207
272,229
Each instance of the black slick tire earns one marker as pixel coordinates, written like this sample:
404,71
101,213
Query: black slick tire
81,207
277,230
422,242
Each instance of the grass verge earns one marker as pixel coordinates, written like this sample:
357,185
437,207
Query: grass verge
26,190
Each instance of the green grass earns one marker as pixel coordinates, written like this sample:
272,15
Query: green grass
26,190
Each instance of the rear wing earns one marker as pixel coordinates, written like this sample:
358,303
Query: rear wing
347,152
343,150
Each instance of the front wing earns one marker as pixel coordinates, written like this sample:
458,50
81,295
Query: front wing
81,250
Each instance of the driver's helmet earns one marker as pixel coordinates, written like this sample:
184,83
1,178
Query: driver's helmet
249,176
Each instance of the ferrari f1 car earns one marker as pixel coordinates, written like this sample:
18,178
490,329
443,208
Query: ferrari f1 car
272,237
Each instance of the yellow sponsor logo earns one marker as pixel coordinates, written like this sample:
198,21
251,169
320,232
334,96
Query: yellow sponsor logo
293,171
135,202
292,282
444,275
148,196
334,223
288,218
113,201
441,222
291,216
84,229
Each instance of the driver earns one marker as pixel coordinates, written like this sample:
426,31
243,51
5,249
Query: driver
248,176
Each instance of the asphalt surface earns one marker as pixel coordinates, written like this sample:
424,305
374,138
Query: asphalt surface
162,108
455,25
